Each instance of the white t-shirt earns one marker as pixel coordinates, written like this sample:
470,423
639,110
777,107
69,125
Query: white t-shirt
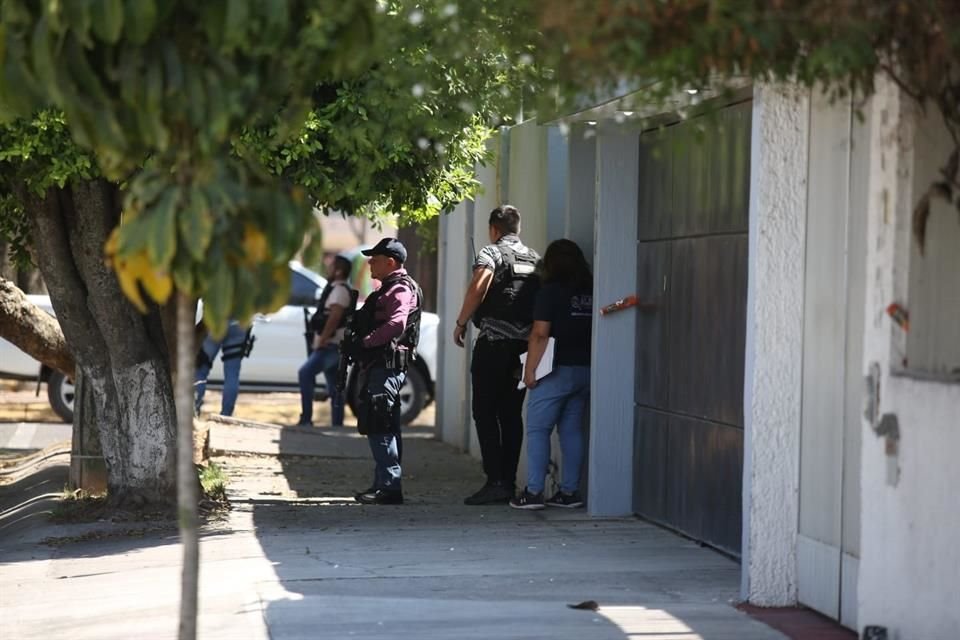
340,294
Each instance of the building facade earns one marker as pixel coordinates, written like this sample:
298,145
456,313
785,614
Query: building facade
764,399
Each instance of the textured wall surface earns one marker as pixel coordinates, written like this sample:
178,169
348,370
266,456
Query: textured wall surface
910,557
772,381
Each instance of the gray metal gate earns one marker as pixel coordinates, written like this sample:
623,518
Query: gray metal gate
692,261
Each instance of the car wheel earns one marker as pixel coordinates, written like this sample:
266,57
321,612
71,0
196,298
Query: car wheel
413,395
61,393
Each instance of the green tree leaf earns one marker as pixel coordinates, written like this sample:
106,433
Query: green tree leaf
196,225
162,241
107,19
139,19
218,300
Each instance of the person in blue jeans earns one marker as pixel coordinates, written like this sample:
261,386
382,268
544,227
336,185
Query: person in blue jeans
387,332
563,311
233,345
327,325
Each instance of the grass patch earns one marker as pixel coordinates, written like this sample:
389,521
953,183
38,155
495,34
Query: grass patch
78,505
213,482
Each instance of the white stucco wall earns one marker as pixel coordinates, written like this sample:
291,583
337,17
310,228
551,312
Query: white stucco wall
528,182
772,379
910,554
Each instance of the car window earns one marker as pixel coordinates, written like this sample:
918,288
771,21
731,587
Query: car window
303,290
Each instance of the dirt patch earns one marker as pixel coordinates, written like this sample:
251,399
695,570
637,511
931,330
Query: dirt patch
107,534
79,506
21,402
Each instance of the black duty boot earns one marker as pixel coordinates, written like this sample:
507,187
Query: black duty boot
490,493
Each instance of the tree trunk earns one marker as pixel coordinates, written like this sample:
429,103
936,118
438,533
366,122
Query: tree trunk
121,354
186,471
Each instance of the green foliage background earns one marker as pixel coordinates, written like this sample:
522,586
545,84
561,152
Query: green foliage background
226,122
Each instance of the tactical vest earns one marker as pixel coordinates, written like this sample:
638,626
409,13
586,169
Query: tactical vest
513,290
410,338
319,319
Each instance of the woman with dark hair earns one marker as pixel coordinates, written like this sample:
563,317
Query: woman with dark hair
563,311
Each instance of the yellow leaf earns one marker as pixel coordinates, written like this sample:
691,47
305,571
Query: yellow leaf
158,284
254,245
128,284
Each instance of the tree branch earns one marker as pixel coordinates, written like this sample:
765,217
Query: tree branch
33,330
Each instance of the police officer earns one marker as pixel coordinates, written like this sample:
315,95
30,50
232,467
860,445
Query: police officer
236,345
387,329
326,325
499,300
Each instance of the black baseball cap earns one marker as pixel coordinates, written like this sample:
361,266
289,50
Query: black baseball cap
390,247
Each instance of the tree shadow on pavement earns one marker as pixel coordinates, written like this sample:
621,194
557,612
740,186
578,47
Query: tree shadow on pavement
435,568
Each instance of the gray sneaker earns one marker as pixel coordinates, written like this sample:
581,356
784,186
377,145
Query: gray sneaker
565,500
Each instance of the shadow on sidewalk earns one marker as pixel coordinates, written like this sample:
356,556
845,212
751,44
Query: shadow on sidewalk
30,489
435,568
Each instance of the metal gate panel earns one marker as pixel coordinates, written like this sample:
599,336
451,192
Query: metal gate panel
653,263
650,486
707,334
655,197
690,467
692,260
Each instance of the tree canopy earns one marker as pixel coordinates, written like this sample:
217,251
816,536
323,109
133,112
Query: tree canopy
226,122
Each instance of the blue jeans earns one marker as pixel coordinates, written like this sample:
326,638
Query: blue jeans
234,339
560,400
379,418
325,360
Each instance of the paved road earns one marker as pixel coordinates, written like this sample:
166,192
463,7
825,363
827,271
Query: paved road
32,435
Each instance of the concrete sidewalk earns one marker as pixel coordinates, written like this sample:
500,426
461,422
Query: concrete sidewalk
298,558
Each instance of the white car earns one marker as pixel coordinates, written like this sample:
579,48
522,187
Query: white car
278,351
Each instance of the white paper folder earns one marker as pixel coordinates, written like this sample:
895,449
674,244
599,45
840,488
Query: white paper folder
545,366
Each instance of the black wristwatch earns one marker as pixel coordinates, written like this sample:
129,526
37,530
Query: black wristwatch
462,326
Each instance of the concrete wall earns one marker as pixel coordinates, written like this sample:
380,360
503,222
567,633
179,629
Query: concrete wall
610,480
581,189
527,159
830,430
460,237
910,556
452,383
772,377
528,190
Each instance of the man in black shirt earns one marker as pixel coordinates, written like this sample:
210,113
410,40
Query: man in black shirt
500,301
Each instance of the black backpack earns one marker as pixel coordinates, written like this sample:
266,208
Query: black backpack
513,291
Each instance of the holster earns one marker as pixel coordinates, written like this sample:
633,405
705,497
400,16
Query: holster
399,360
